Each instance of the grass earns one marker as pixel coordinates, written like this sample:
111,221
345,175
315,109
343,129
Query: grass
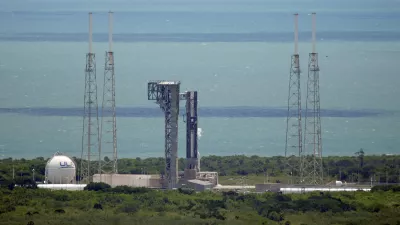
248,180
260,179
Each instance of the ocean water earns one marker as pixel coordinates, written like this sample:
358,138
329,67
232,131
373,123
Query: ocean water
235,53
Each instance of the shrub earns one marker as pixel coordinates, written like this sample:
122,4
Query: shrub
97,186
275,216
59,211
98,206
129,190
394,188
130,208
230,193
186,191
375,207
6,208
63,197
11,186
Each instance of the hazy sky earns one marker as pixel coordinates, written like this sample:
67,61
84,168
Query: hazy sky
198,5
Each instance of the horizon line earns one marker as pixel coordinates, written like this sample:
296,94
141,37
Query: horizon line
210,111
261,36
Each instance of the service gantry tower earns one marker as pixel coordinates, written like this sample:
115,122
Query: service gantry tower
311,171
166,94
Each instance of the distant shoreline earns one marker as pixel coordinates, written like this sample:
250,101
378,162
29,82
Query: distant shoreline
237,111
287,37
225,156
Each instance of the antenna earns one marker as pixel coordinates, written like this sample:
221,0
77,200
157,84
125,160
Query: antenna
314,28
296,34
90,32
110,30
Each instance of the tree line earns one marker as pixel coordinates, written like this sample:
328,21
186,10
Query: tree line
357,168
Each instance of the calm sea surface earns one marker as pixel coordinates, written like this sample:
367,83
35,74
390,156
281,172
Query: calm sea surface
236,54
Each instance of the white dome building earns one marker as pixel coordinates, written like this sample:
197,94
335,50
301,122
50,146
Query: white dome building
60,169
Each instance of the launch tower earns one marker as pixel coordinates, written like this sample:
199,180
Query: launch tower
166,94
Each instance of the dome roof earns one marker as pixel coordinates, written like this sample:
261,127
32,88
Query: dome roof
60,169
60,161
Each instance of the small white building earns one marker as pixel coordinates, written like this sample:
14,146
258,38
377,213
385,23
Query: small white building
338,183
200,185
132,180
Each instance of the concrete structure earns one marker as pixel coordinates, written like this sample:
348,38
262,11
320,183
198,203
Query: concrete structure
211,177
199,185
60,169
189,174
323,189
233,187
68,187
286,188
274,187
132,180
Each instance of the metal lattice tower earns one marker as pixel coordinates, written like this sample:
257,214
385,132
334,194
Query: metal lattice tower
294,144
166,94
108,130
311,157
90,134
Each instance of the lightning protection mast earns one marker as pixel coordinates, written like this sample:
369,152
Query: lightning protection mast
90,134
311,157
293,146
108,131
